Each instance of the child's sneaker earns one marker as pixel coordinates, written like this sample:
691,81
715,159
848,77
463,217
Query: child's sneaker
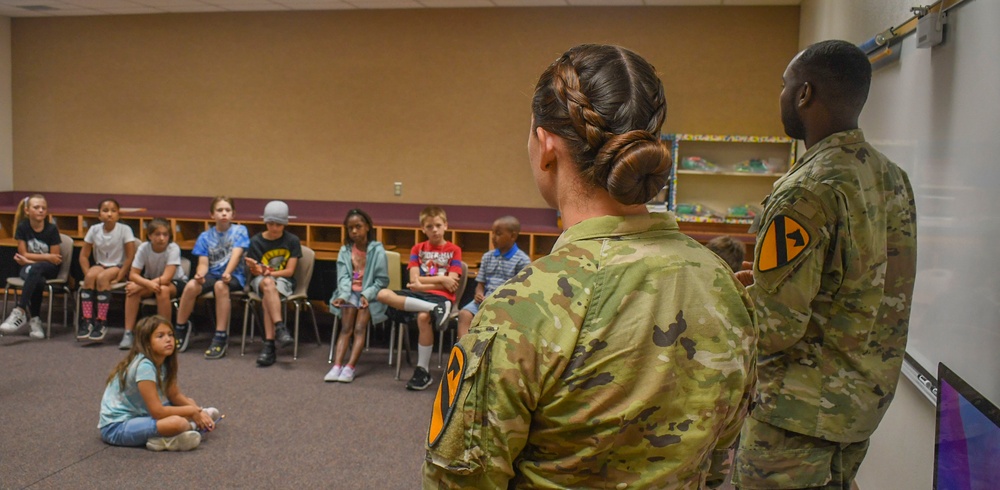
346,375
267,356
14,322
127,341
182,334
213,413
184,441
83,330
217,350
420,381
97,333
334,374
37,332
440,314
282,337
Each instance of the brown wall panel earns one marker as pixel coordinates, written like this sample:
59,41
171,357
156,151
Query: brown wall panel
338,105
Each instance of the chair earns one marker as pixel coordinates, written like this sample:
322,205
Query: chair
299,298
452,315
151,301
395,283
60,283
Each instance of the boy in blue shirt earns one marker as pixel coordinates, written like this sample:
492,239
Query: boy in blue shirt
498,266
220,269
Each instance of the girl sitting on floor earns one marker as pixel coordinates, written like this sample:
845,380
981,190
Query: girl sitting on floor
143,404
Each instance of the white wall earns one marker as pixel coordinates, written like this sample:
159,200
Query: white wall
6,116
901,455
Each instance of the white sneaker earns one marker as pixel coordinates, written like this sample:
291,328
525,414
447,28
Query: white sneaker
14,322
346,375
37,332
184,441
333,375
213,413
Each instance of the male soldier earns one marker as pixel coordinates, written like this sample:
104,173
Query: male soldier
832,282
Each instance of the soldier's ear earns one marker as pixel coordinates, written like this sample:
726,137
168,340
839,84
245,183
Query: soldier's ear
805,96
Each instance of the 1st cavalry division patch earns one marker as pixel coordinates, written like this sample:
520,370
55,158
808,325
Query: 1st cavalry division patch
447,395
784,240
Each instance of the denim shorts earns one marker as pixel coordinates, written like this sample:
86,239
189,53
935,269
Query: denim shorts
210,281
132,432
472,307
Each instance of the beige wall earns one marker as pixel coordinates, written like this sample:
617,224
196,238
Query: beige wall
338,105
901,455
6,122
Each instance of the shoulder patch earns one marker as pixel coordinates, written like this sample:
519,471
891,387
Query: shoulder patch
447,394
784,240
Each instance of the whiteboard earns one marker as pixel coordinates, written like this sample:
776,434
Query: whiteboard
936,113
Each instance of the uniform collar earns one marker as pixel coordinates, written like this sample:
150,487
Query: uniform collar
613,226
843,138
510,253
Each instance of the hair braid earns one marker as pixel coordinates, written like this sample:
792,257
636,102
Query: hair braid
587,122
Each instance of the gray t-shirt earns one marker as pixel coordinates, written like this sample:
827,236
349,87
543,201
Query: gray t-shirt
109,247
152,264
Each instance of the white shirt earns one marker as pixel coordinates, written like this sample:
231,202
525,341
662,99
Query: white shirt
109,248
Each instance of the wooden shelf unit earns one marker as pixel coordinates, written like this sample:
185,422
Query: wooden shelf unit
725,187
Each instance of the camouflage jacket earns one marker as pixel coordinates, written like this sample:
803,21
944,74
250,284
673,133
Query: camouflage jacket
624,359
833,277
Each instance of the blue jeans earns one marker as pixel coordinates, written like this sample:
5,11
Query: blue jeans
132,432
34,276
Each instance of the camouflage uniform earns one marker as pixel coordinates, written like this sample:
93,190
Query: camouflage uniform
624,359
833,277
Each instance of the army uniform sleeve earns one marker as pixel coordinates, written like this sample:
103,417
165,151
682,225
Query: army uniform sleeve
480,420
721,464
789,261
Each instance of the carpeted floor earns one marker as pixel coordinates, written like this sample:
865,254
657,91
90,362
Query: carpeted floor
284,426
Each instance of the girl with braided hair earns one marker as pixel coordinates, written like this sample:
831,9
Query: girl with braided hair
625,358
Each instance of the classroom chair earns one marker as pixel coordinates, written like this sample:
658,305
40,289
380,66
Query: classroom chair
299,299
395,283
452,320
453,314
60,284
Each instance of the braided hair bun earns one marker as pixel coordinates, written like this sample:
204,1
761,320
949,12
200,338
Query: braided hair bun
607,103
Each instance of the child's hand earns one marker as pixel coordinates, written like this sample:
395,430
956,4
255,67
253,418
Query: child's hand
364,302
226,277
203,421
479,298
132,288
55,259
21,260
253,265
450,283
199,278
337,303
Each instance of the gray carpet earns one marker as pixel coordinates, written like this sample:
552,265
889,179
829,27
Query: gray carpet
284,426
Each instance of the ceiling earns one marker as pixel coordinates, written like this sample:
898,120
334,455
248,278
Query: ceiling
50,8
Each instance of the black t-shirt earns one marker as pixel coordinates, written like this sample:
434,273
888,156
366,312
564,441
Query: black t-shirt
275,253
38,242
